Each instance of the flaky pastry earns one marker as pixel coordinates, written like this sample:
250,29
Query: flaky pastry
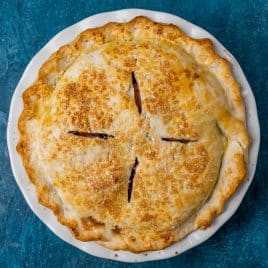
134,134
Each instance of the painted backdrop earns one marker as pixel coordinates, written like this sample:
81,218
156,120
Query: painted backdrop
241,26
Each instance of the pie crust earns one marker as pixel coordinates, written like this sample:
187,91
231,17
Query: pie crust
134,135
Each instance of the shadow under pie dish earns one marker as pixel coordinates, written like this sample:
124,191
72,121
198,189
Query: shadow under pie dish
134,134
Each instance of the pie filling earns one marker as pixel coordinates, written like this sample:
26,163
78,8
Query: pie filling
131,138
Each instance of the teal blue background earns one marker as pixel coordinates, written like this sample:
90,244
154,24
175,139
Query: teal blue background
241,26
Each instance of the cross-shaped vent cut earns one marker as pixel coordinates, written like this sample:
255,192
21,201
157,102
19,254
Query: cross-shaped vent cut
131,179
103,136
178,140
137,95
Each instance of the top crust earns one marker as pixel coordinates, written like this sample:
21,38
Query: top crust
135,99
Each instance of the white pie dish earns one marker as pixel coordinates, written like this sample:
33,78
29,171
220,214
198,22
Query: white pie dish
28,189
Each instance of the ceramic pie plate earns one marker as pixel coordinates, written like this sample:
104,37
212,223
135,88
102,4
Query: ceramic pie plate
27,188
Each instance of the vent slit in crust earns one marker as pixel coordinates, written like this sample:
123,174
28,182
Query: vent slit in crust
137,95
131,179
178,140
103,136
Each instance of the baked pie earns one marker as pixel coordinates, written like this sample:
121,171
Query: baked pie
134,134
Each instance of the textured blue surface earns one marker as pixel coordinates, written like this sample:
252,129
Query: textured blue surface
25,26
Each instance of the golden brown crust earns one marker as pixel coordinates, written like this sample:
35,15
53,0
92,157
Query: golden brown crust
142,98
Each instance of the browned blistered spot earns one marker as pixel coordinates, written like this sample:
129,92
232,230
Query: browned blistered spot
116,230
188,73
196,76
147,217
166,236
196,165
89,222
133,238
